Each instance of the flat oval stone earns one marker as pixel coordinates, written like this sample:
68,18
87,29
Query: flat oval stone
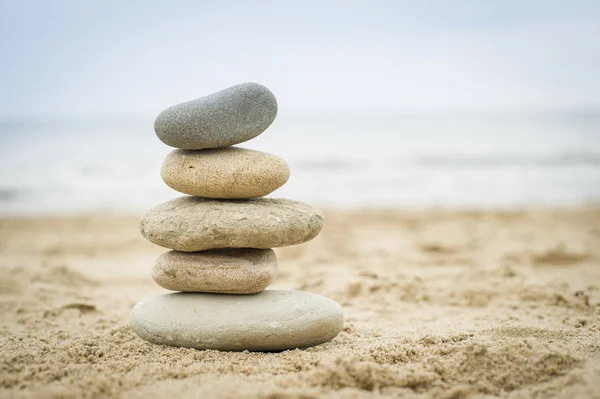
225,271
271,320
221,119
191,224
231,172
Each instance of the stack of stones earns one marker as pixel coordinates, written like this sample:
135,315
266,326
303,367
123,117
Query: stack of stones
222,232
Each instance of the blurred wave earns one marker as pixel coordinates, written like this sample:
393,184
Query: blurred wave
507,160
339,160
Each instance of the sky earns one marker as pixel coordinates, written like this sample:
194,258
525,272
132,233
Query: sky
119,58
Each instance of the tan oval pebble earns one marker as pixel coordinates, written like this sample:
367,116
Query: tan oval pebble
225,271
191,224
268,321
225,172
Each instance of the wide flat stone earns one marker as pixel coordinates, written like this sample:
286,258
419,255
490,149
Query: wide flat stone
193,224
225,271
271,320
231,172
227,117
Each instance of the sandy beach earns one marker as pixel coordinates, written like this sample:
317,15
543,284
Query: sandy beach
437,303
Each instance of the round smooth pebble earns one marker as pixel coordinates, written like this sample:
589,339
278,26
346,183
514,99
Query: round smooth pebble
225,271
221,119
191,224
231,172
271,320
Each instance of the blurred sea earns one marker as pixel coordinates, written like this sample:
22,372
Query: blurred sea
337,160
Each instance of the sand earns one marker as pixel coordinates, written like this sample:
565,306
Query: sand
437,303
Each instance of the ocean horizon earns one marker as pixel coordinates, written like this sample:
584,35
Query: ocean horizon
339,159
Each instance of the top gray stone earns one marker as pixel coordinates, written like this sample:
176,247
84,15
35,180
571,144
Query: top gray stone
221,119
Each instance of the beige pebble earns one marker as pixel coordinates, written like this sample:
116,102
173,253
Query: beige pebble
231,172
271,320
192,224
225,271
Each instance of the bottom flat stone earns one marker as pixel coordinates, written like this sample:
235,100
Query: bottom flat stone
270,320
